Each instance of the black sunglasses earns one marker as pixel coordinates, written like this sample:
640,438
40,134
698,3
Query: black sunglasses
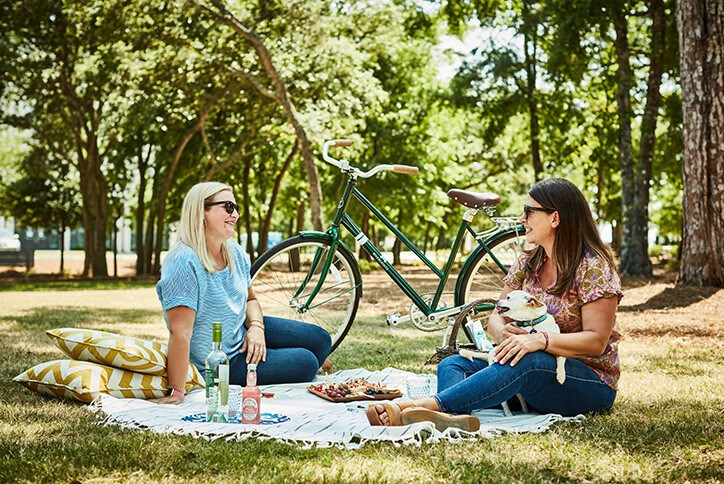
527,210
229,206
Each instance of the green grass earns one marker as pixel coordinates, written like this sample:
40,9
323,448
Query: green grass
667,425
74,285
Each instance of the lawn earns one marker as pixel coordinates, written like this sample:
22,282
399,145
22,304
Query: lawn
666,426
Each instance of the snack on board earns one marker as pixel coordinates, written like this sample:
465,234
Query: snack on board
355,389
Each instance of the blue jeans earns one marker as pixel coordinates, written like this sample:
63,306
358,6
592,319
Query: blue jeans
464,386
294,353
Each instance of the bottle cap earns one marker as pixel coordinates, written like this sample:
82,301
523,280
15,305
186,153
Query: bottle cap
251,366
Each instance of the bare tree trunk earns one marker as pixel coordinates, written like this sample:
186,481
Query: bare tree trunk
397,246
247,211
61,245
93,190
701,50
629,250
365,227
141,210
637,261
266,221
281,96
171,172
531,75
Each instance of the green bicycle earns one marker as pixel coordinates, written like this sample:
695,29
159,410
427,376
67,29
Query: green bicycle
314,277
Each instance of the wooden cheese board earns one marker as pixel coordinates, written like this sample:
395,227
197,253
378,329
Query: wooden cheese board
354,390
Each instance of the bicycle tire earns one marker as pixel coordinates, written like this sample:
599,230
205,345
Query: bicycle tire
280,271
482,277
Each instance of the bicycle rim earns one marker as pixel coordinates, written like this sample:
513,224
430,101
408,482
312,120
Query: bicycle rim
279,274
484,278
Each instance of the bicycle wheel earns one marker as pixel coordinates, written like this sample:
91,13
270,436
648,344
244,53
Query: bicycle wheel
483,278
285,276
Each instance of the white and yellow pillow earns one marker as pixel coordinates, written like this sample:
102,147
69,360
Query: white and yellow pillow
84,381
118,351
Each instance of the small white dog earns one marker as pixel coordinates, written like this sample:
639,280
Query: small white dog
529,313
532,315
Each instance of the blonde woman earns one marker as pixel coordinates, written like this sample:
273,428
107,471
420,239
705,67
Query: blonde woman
205,278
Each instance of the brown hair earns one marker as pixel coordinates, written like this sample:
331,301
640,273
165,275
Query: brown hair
576,233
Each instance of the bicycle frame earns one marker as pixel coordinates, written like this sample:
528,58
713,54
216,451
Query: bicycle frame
341,218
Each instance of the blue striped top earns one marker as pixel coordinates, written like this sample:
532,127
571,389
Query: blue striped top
214,297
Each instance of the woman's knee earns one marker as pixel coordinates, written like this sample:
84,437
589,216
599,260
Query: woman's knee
306,366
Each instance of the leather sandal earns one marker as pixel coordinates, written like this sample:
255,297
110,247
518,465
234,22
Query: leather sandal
441,420
393,411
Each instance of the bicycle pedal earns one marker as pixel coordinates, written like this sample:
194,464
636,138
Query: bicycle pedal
393,319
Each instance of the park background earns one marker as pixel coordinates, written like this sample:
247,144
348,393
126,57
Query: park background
112,109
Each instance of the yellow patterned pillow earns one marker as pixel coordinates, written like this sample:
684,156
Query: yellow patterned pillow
118,351
84,381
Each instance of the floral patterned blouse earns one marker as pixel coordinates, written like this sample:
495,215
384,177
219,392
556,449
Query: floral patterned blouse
594,279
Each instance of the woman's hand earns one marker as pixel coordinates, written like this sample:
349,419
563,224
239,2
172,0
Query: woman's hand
255,345
173,399
511,329
516,346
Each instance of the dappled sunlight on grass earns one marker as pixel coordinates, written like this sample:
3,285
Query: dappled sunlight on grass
107,319
665,426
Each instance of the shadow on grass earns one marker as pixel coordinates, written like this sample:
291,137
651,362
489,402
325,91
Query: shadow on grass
76,284
45,318
674,297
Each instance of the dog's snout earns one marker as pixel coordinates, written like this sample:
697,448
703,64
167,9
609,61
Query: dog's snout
501,307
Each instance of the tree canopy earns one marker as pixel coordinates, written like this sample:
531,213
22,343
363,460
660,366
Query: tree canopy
109,104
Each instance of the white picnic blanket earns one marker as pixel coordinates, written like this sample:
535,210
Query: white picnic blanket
295,415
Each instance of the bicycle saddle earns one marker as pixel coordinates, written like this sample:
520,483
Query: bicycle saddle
472,199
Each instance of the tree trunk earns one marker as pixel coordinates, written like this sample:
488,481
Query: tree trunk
114,246
266,221
247,210
365,227
61,244
531,74
701,50
169,176
629,250
397,246
141,267
280,96
93,191
637,262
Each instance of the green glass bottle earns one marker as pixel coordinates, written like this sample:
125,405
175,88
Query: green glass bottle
217,380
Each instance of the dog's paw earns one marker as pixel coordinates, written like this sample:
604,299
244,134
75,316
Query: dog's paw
471,354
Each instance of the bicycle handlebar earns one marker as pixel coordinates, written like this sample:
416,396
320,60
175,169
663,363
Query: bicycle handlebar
345,166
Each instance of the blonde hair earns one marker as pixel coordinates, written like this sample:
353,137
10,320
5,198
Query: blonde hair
192,231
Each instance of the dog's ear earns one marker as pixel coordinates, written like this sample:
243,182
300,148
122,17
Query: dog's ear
534,302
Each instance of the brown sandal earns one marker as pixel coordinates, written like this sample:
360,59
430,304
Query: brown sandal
442,421
393,411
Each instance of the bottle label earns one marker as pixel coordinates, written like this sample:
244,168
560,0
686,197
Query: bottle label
251,379
250,410
223,384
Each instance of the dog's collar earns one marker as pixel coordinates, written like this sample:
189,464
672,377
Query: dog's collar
531,322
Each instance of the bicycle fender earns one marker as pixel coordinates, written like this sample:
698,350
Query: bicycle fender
325,235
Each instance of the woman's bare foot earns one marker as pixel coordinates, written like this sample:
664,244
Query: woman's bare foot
382,414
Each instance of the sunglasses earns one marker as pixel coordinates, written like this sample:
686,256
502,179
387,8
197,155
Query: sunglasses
527,210
229,206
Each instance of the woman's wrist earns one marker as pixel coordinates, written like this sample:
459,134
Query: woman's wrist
173,391
256,323
546,340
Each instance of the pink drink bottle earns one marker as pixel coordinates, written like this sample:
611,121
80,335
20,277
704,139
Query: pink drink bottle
251,398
